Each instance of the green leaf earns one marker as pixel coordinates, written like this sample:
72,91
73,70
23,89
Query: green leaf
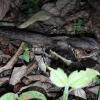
25,55
32,95
83,78
8,96
58,77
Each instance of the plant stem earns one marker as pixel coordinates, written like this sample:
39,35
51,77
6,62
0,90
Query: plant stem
65,94
99,94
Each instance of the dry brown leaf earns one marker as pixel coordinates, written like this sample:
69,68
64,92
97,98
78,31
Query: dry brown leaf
39,16
41,63
94,89
3,80
17,74
4,7
79,93
32,78
43,87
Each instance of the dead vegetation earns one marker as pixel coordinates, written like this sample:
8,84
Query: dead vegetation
35,34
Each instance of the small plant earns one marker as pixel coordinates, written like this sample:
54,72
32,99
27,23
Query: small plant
34,95
75,80
8,96
25,55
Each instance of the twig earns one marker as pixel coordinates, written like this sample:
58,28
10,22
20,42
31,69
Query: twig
14,59
31,67
66,61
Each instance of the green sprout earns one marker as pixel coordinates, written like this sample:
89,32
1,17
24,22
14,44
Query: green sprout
34,95
75,80
25,55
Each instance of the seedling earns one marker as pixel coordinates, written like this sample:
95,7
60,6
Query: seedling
34,95
8,96
25,55
75,80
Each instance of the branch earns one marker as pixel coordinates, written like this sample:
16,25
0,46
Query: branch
14,59
66,61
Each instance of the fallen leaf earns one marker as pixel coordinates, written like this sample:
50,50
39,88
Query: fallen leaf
4,7
40,16
17,74
94,89
32,78
41,63
80,93
3,80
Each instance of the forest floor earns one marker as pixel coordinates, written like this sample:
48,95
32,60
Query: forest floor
39,36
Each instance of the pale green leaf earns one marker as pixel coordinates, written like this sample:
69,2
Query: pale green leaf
83,78
40,16
32,95
25,55
58,77
8,96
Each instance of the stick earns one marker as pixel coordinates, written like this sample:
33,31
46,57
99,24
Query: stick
14,59
66,61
